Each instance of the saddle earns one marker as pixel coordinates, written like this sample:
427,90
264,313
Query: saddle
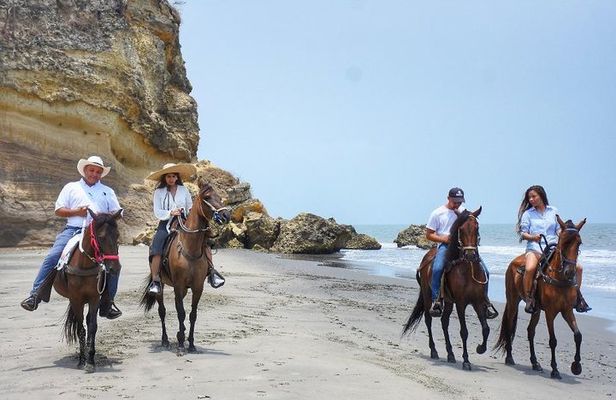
544,261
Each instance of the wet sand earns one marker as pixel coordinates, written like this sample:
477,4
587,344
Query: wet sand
280,328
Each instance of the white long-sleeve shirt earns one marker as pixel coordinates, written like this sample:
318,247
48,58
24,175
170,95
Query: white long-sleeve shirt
164,201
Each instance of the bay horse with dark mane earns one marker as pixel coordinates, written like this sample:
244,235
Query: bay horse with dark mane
464,284
556,293
188,264
83,282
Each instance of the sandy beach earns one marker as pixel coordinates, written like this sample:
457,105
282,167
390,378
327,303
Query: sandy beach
279,329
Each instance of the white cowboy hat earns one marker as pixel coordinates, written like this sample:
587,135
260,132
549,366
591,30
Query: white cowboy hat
184,170
92,160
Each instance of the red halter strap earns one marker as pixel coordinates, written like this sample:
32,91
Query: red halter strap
99,257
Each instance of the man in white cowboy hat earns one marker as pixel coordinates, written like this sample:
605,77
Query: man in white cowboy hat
72,204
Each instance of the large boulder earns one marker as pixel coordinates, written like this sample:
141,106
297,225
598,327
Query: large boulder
261,230
310,234
414,235
361,241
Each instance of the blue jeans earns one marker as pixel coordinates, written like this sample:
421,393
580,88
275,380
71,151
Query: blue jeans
437,270
112,282
50,262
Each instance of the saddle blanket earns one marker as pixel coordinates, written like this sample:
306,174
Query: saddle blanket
65,257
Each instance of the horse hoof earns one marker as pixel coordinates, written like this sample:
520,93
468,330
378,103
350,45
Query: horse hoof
576,368
509,361
165,344
181,351
451,359
81,364
192,349
537,367
90,368
466,366
555,375
434,355
481,349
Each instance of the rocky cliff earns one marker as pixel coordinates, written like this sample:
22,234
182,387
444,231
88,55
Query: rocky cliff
88,77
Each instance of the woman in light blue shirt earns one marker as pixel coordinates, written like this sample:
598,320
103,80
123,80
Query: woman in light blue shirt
535,218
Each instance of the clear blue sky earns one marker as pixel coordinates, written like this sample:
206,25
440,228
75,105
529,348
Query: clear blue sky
369,111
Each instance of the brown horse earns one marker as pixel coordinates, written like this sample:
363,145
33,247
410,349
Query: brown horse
189,263
464,284
83,282
556,293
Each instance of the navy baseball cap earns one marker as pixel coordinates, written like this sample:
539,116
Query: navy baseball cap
456,194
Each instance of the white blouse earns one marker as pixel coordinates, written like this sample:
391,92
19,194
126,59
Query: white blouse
164,202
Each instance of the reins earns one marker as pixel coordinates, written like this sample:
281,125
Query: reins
564,262
463,249
98,259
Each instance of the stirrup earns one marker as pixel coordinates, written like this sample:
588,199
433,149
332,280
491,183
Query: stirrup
581,306
436,309
215,279
491,311
31,303
155,288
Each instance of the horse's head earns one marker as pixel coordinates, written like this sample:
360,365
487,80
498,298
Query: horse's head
212,207
568,247
104,236
465,234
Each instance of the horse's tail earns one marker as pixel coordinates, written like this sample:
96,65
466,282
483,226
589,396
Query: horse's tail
417,313
71,326
507,330
147,299
509,321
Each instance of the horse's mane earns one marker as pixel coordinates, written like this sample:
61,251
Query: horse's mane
453,251
103,218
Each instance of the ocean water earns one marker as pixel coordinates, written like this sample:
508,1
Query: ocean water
499,245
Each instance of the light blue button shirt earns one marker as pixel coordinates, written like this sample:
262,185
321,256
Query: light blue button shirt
535,223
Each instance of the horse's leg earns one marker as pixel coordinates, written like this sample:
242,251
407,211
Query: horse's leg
92,323
532,325
162,313
180,293
193,318
464,335
81,333
576,366
445,324
427,301
481,311
549,319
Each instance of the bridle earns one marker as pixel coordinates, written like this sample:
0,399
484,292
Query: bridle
217,215
98,258
564,263
469,254
465,250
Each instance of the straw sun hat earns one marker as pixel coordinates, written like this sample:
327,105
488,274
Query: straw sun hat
184,170
92,160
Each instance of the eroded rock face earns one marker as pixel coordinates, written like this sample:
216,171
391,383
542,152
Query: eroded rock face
78,78
414,235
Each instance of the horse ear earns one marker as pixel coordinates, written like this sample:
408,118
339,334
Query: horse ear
477,212
560,222
118,214
92,213
580,224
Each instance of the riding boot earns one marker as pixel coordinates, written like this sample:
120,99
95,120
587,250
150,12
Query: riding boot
491,311
215,279
436,310
530,303
31,303
155,287
581,305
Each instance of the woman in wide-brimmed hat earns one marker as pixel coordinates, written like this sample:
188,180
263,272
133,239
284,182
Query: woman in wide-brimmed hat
171,198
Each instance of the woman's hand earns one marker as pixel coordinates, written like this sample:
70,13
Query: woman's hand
176,212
